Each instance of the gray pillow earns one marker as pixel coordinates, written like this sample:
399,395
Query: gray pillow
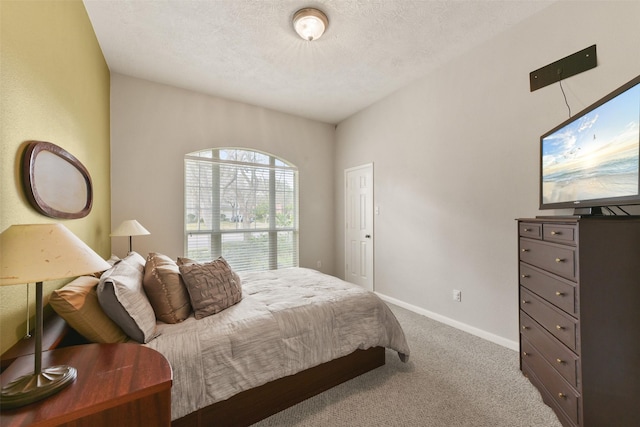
122,298
212,287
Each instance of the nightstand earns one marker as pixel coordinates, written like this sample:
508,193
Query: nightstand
117,385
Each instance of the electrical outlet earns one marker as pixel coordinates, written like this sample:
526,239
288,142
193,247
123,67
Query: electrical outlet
457,295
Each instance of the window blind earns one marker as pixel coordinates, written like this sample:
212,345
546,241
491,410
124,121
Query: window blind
242,205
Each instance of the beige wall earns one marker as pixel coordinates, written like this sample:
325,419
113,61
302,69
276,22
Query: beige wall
54,86
456,161
153,126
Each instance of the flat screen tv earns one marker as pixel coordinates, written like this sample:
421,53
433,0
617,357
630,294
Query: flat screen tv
592,160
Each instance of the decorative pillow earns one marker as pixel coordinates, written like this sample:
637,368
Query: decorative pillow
77,303
185,261
111,261
212,287
122,297
165,289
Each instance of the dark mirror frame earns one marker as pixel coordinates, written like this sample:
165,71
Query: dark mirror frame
29,165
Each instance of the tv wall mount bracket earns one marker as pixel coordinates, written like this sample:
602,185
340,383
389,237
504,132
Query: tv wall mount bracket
568,66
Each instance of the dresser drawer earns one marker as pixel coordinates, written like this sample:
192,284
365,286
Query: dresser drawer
558,291
560,391
559,356
531,230
552,257
558,323
559,233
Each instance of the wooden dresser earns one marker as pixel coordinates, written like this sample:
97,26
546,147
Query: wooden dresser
580,317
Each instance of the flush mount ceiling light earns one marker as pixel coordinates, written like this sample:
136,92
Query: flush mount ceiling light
310,23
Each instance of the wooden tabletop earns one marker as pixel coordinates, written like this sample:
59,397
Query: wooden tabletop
109,375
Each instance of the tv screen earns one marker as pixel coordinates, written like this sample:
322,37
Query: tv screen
593,158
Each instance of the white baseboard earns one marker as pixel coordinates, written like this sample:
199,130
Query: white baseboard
513,345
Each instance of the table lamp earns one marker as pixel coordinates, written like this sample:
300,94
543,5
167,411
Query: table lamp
35,253
129,227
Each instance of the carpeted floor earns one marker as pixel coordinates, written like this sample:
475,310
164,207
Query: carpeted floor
452,379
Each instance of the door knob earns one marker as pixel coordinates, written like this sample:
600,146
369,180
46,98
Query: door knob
367,236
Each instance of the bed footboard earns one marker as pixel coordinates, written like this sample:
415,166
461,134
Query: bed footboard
258,403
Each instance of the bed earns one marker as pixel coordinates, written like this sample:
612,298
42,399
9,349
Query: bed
291,334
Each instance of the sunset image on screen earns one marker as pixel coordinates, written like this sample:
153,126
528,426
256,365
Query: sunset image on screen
596,156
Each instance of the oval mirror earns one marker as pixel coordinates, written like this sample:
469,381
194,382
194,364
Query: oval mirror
56,183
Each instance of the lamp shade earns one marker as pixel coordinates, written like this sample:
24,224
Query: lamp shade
41,252
130,227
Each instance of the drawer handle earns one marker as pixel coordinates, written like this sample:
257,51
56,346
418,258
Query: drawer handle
525,250
562,395
559,294
528,230
524,328
559,260
525,276
525,354
524,301
560,328
556,233
560,361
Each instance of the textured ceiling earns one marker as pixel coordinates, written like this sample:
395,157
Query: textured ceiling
247,50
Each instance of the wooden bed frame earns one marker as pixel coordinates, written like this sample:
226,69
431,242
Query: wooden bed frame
244,408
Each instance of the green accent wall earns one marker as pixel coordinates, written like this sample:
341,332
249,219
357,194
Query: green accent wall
54,86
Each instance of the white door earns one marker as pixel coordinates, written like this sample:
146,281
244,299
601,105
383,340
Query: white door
359,225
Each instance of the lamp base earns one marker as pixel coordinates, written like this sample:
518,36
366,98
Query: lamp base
33,387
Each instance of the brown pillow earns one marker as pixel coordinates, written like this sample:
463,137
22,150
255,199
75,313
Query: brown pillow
212,287
77,303
185,261
165,289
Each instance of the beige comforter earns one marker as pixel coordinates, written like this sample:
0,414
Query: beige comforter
288,320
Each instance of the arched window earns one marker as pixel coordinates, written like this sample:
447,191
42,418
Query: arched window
242,205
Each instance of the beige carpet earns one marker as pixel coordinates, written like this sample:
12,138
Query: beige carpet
452,379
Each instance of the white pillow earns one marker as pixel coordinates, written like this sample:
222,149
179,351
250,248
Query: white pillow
122,297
